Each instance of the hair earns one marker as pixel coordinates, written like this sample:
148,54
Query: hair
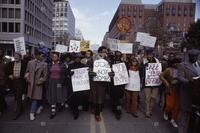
20,55
90,52
101,49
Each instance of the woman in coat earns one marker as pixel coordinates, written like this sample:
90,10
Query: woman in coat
36,75
56,90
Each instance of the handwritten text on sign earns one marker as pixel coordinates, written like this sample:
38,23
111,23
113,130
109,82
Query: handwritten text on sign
121,74
80,79
19,45
153,71
101,68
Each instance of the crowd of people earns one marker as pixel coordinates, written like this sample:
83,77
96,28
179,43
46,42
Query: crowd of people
47,77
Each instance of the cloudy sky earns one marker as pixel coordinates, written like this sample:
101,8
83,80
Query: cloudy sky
93,16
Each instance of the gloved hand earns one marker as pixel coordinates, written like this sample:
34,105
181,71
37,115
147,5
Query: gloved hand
92,74
111,74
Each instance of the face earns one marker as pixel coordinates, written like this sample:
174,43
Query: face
193,58
39,57
149,56
77,60
104,53
55,58
17,57
88,54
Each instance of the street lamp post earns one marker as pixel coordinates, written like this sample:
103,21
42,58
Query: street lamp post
28,50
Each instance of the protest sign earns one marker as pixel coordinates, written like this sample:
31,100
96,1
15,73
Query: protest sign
113,44
84,45
94,47
148,41
74,46
153,71
125,48
19,45
80,79
140,36
101,68
61,48
121,74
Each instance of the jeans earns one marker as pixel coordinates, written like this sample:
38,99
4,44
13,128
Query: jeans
34,106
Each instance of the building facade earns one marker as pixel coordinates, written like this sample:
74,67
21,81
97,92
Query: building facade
31,19
63,22
173,15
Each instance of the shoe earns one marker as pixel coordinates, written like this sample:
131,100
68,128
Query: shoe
39,110
52,116
165,116
98,118
174,124
32,116
16,116
135,115
147,115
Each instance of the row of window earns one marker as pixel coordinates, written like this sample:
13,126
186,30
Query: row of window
10,1
36,33
9,27
60,14
10,13
132,12
60,9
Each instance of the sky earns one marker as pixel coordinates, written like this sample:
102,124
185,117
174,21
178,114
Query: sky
94,16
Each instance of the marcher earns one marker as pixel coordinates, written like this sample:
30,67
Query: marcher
16,72
36,75
169,78
3,79
116,92
186,75
132,88
151,93
56,88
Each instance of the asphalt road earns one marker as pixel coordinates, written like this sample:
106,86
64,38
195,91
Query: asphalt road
64,122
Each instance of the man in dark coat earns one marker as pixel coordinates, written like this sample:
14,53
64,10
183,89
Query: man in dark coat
188,73
75,98
3,79
16,72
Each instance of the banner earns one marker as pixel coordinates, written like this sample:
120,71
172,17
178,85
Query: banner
80,79
153,71
84,45
19,45
61,48
125,48
121,74
74,46
101,68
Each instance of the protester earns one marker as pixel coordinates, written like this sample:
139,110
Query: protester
116,92
169,78
132,88
36,75
16,72
75,98
186,75
56,89
151,92
3,79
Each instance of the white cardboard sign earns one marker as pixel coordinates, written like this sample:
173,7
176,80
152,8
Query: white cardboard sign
125,48
80,79
121,74
101,68
19,45
61,48
153,71
74,46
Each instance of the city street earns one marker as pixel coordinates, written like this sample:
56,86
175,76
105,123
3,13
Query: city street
86,123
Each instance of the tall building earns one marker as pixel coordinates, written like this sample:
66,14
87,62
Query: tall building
133,16
31,19
63,22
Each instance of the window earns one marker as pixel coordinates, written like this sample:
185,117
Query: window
4,27
11,12
0,12
4,1
17,27
4,12
11,27
173,11
191,12
185,11
140,13
167,11
17,1
0,26
11,2
17,13
179,11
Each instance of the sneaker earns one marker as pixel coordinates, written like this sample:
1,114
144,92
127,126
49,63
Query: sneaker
173,123
39,110
32,116
165,117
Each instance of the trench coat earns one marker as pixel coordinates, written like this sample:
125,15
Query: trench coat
36,75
